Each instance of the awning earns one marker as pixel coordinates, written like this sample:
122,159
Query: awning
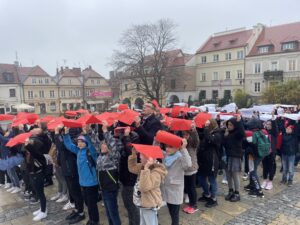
95,102
71,100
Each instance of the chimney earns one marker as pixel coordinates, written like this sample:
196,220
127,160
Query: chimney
16,63
61,69
57,71
90,67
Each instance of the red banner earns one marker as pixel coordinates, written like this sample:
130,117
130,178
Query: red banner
101,94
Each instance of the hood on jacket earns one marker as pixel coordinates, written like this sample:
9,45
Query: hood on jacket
233,121
161,169
254,124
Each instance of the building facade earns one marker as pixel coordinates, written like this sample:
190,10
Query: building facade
220,63
274,58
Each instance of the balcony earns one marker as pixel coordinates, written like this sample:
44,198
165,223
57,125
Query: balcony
226,82
276,75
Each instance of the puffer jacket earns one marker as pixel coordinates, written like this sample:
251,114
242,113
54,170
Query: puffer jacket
87,172
149,181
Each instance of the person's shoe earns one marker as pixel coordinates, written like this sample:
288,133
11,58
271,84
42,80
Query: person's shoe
36,212
63,198
235,197
186,198
224,181
264,184
34,201
72,215
40,216
26,198
191,210
68,206
290,183
256,193
10,189
245,176
220,172
269,186
48,183
26,194
203,199
2,185
7,185
55,197
283,182
16,190
77,219
249,187
211,203
229,196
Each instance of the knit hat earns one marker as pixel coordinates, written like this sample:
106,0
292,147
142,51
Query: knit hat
168,139
82,138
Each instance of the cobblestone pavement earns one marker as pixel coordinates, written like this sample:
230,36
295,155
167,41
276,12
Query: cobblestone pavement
280,206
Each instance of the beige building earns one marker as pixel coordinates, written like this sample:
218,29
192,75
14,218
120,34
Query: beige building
39,90
98,94
70,88
220,63
274,58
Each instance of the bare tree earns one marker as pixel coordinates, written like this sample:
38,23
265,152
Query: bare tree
143,56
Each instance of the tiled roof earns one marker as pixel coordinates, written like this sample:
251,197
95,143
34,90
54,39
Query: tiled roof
275,36
8,73
74,72
90,73
32,71
226,41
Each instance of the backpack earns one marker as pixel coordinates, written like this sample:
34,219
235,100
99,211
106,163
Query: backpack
262,143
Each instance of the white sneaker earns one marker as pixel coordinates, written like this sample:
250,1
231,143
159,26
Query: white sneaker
68,206
40,216
35,213
63,198
264,184
55,197
10,189
269,186
16,190
245,176
186,198
224,181
1,185
7,185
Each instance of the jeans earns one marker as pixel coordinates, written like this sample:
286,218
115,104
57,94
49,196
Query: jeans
254,180
174,213
148,217
190,189
209,191
38,185
75,192
288,162
62,184
13,177
132,210
110,199
90,195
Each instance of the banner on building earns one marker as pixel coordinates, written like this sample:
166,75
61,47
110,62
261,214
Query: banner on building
102,94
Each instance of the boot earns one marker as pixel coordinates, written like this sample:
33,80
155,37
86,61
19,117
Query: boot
236,197
229,195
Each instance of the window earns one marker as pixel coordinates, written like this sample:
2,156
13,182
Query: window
87,93
228,56
12,93
33,80
52,95
203,59
52,106
216,58
274,65
126,87
227,94
41,93
288,46
240,54
40,81
98,81
263,49
70,81
292,65
173,84
257,68
202,95
92,81
203,77
47,81
137,86
256,87
215,76
30,94
77,93
239,74
227,75
215,94
63,93
70,93
8,76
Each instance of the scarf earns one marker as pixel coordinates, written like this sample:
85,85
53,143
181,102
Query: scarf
170,159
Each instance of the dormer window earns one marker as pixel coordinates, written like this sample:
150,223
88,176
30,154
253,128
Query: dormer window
232,41
8,76
263,49
216,44
288,46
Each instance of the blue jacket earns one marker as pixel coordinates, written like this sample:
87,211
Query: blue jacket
87,173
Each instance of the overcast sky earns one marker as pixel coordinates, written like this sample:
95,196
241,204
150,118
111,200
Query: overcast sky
74,33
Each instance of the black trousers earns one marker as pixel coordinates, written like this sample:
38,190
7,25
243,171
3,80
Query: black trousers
174,213
90,195
25,176
132,210
75,192
190,189
3,174
37,181
269,167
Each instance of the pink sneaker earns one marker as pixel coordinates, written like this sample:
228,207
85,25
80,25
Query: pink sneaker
191,210
269,186
186,209
264,184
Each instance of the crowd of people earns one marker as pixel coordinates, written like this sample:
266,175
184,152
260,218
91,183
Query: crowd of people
150,162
